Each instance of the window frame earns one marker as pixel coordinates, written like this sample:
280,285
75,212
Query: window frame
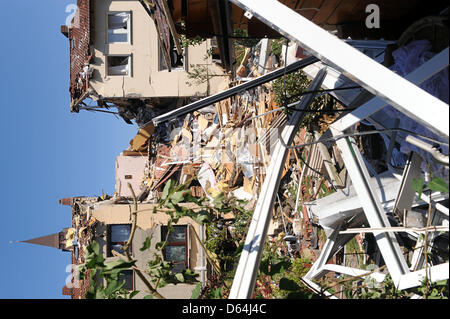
130,65
129,27
162,68
133,284
110,243
164,229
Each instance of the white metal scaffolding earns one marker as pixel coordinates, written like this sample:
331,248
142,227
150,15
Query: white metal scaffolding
245,277
377,79
389,89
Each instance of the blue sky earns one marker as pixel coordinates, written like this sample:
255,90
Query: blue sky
47,152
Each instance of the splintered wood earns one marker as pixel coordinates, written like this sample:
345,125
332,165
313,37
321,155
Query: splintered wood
227,148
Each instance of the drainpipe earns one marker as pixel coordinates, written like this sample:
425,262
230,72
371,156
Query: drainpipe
202,258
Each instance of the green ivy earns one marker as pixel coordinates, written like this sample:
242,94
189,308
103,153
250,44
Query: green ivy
161,273
436,185
105,272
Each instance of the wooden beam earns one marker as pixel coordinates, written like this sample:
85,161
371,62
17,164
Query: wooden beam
173,30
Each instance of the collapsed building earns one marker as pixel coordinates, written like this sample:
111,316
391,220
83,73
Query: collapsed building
384,196
351,175
122,56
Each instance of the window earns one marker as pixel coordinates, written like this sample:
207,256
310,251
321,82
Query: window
215,53
176,250
178,62
117,237
119,65
127,276
119,27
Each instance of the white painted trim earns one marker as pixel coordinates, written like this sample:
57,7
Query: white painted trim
130,65
129,27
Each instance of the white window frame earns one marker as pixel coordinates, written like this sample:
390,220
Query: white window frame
130,65
129,26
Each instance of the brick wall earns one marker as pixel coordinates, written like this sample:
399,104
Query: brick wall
79,40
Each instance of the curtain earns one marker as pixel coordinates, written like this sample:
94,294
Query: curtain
118,70
118,67
118,20
175,253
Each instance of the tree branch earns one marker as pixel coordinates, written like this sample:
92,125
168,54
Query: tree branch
127,247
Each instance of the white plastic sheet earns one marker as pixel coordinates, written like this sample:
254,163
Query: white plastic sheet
407,59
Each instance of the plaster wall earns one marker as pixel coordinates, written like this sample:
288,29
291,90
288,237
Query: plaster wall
149,225
129,169
146,79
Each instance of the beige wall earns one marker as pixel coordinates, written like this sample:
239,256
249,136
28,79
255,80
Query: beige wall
129,169
146,79
149,225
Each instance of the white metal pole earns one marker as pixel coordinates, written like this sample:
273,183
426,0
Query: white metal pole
379,80
247,270
202,257
373,210
418,76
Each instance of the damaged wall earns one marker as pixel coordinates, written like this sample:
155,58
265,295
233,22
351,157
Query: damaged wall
149,225
129,169
145,80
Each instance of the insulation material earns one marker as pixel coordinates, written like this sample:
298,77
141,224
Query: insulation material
207,179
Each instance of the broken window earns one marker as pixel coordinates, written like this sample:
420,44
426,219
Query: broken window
119,65
215,53
127,276
117,237
178,62
177,249
119,25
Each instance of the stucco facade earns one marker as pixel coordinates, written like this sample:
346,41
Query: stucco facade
129,169
149,225
145,78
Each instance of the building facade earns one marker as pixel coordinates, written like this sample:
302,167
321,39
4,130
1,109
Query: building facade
116,57
107,221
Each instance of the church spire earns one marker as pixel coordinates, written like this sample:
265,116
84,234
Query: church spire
56,240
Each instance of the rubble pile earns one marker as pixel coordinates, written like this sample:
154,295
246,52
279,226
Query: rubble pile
226,148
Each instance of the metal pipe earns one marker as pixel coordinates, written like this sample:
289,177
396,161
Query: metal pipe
373,209
441,158
234,90
395,229
202,257
369,44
